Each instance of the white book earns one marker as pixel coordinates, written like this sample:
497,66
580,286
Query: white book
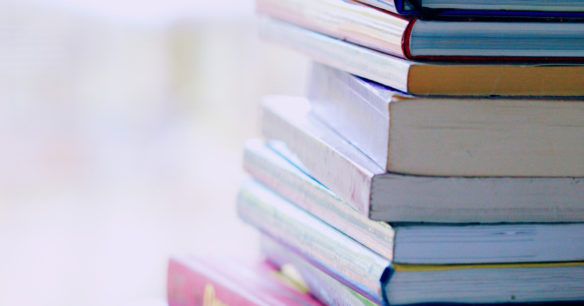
278,170
411,198
451,136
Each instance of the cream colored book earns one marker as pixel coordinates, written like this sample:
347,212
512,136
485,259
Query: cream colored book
276,169
451,136
394,197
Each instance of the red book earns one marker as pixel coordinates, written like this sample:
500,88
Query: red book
212,281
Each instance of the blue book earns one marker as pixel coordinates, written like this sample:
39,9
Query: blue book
483,8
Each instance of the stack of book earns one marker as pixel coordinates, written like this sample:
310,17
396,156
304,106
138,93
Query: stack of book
438,156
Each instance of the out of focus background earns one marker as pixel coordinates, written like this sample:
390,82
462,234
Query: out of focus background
122,125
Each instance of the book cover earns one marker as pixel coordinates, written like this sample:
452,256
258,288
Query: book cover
394,197
195,280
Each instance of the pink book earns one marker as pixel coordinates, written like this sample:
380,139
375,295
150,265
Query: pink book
211,281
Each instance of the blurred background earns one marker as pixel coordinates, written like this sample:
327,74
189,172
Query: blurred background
122,125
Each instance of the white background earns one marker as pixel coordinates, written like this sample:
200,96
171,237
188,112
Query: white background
121,124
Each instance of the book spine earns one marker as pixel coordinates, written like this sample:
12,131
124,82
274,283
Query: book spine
323,287
406,37
330,250
279,174
353,109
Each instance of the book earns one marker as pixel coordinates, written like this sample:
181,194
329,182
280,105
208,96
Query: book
425,78
319,284
383,281
483,8
420,39
409,243
393,197
451,136
196,280
328,289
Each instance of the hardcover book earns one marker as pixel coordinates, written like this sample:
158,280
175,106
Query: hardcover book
483,8
436,78
393,197
451,136
433,39
409,243
217,281
383,281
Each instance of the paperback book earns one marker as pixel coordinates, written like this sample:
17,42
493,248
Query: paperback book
383,281
319,284
451,136
394,197
273,171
